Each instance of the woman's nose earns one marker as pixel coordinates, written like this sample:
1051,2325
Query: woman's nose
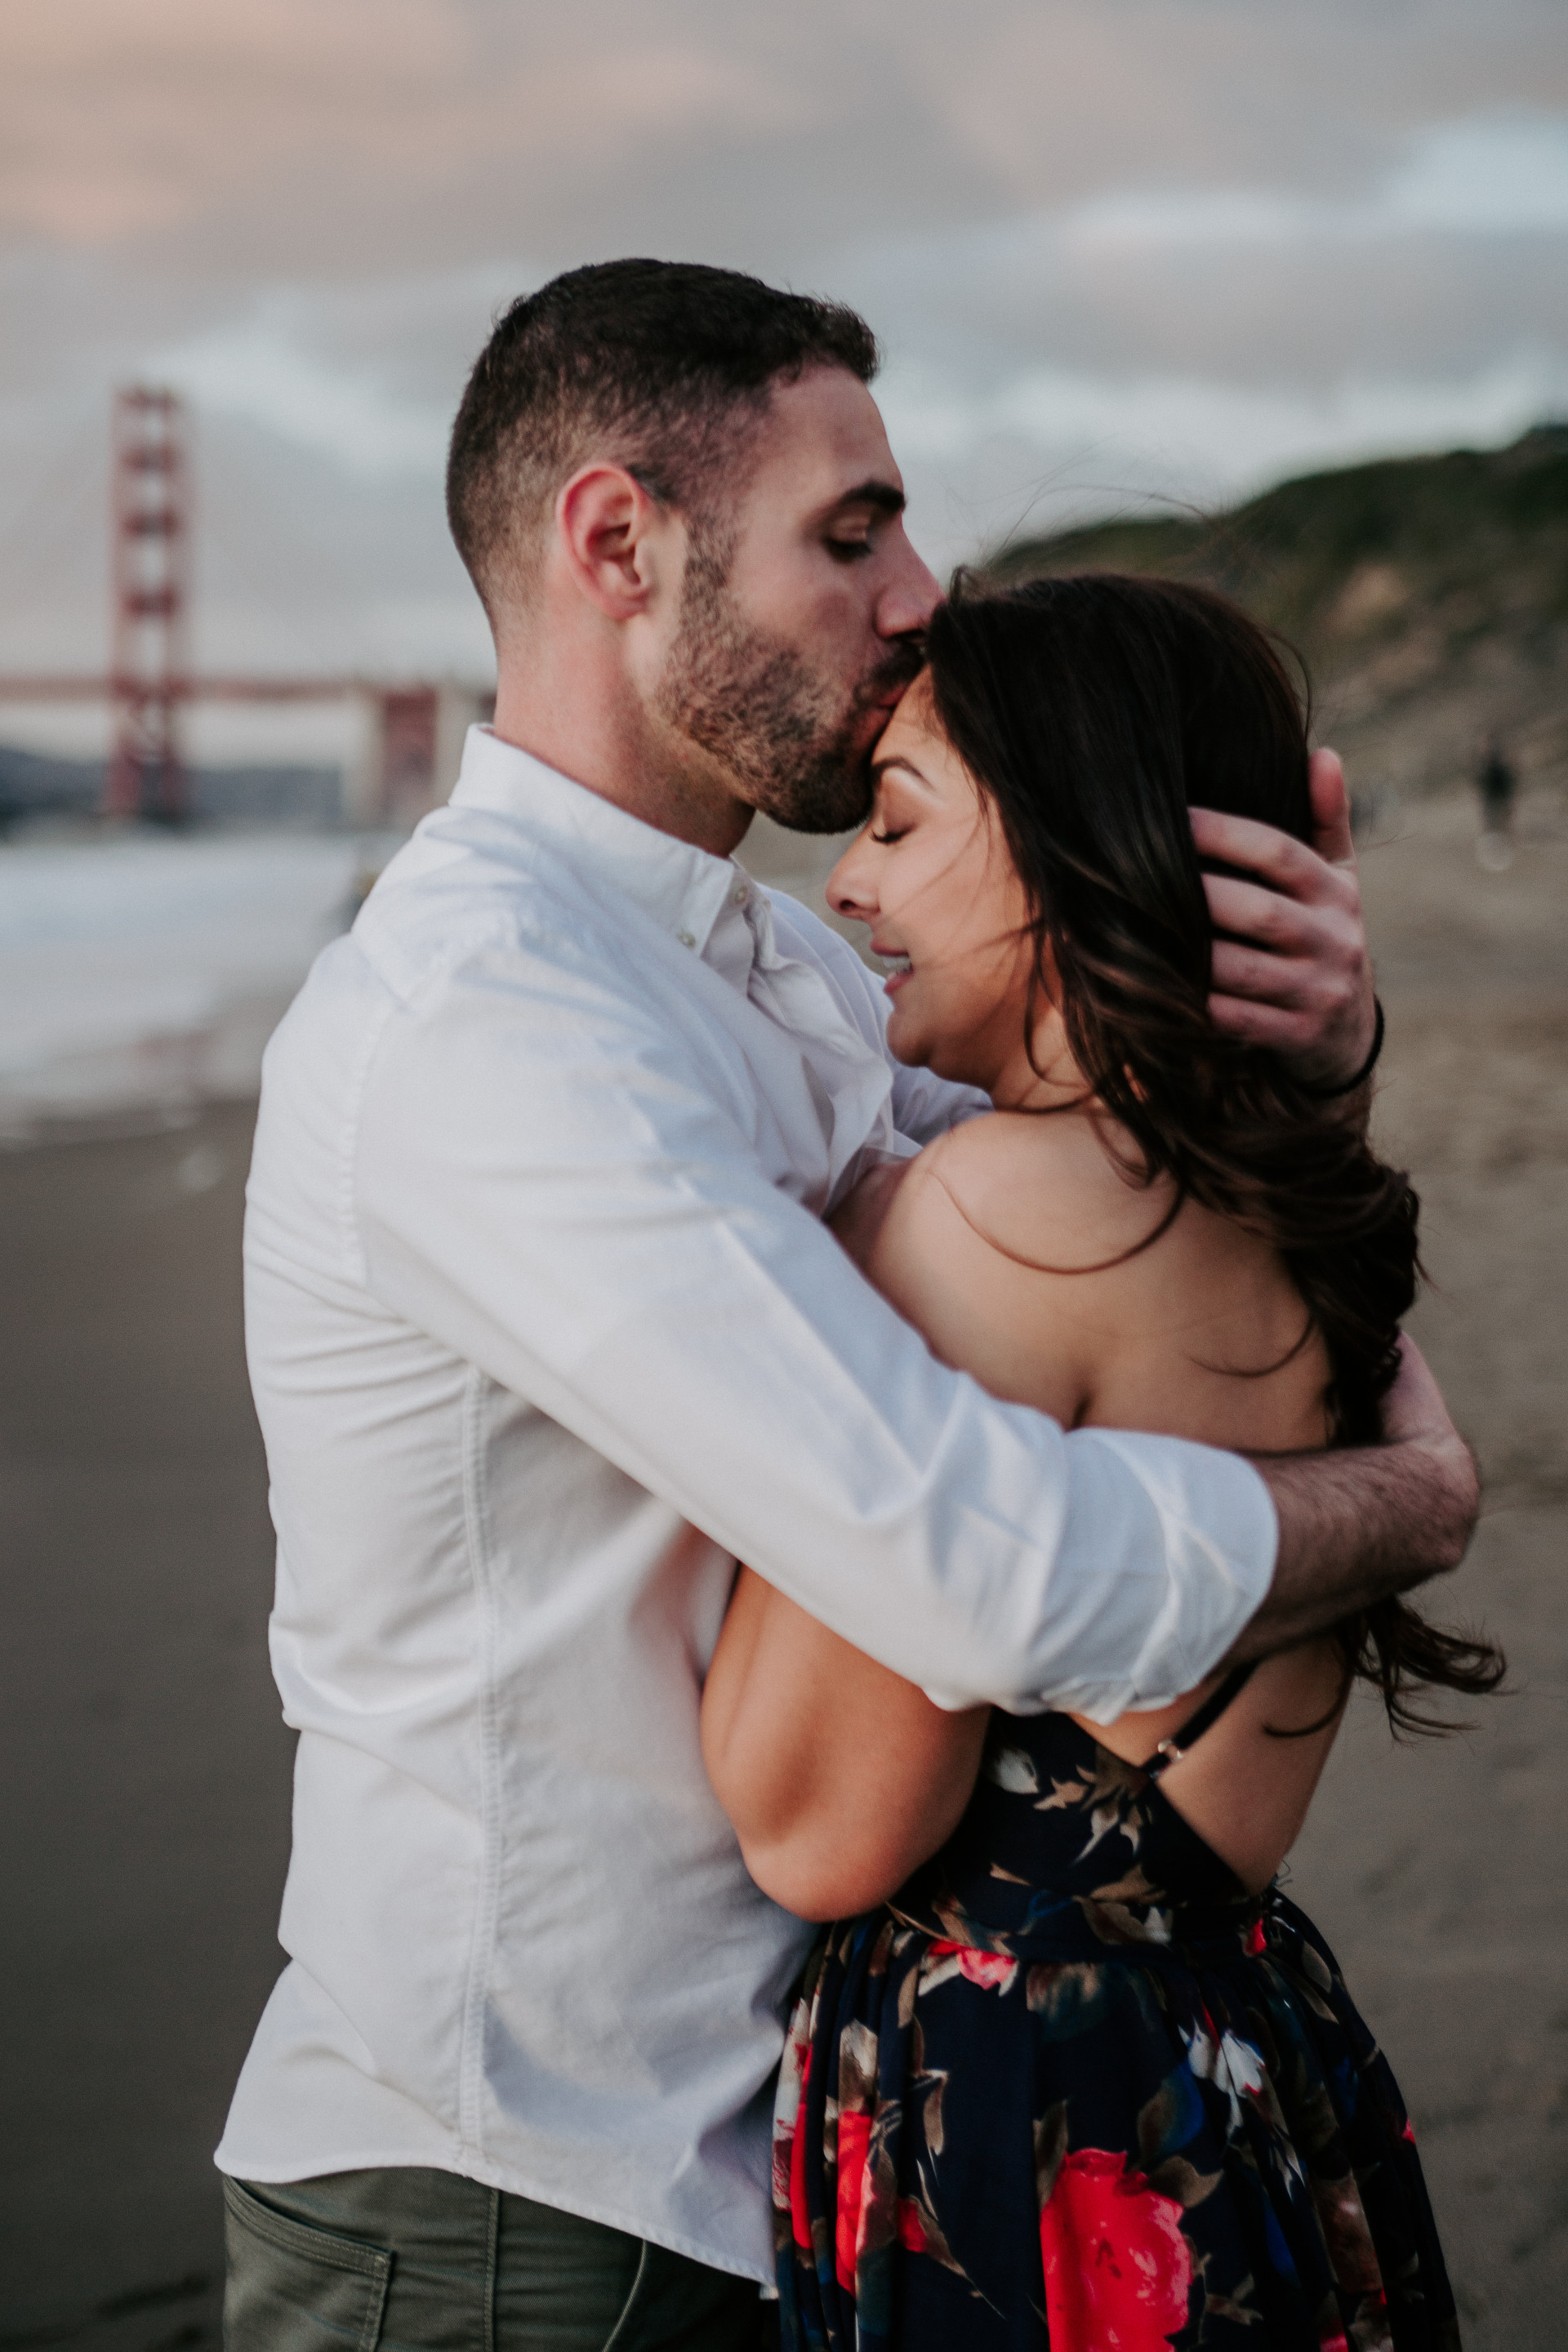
850,891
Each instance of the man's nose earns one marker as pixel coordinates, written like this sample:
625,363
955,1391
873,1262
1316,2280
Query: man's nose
911,597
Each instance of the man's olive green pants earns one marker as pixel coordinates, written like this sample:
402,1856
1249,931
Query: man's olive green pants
407,2261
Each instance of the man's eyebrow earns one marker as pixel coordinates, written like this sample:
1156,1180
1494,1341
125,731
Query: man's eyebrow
886,497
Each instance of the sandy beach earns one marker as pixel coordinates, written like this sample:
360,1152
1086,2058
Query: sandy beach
146,1823
1440,1870
147,1772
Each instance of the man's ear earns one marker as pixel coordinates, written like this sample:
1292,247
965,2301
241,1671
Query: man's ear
609,532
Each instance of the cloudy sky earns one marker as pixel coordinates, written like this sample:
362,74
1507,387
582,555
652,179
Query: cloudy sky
1113,248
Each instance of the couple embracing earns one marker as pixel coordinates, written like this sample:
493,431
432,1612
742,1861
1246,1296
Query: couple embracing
1028,1327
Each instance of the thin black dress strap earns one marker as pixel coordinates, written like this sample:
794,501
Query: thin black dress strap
1187,1735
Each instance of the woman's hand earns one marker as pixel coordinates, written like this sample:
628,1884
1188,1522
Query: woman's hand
1294,974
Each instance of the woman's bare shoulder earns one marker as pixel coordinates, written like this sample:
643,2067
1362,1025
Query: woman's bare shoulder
1046,1190
1033,1260
969,1246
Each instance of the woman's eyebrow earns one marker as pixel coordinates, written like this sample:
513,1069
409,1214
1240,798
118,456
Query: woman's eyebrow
880,768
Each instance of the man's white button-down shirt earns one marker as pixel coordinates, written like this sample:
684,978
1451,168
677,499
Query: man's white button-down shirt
545,1333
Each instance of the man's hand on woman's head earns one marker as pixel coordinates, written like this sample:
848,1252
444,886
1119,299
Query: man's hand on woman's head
1294,971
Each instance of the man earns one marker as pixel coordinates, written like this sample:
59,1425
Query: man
546,1331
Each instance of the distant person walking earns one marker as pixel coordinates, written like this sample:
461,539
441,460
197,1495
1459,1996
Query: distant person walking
1496,783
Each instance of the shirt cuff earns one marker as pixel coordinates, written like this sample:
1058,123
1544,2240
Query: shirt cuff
1214,1521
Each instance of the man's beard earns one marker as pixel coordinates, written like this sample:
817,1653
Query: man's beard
798,749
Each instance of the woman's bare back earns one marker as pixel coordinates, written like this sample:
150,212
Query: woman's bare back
838,1775
1201,1335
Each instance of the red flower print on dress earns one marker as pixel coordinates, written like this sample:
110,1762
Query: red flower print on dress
992,1971
1118,2268
854,2139
799,2211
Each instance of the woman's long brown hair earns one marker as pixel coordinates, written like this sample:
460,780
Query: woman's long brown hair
1094,711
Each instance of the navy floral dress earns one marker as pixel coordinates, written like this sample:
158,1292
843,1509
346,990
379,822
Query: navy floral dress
1075,2087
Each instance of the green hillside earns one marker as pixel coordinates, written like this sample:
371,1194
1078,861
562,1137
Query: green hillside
1429,597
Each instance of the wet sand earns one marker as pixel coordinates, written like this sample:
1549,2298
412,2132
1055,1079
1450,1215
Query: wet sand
146,1771
145,1768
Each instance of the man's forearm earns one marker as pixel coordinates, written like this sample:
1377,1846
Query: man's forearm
1357,1526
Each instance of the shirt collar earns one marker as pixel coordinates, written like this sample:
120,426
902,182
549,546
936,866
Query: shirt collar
711,905
684,889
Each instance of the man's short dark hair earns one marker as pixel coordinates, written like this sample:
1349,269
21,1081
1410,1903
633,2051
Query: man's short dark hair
658,366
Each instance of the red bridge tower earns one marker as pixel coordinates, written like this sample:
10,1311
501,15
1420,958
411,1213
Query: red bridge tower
150,519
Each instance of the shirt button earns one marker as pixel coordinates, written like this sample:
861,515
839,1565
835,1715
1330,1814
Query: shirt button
738,895
687,938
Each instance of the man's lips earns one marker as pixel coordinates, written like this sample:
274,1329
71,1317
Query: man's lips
875,713
884,693
899,967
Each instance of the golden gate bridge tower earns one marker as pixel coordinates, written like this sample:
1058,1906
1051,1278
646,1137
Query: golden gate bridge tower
148,676
412,728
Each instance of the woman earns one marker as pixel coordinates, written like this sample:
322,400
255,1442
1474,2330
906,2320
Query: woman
1070,2070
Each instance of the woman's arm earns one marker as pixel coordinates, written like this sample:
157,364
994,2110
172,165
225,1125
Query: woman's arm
838,1775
